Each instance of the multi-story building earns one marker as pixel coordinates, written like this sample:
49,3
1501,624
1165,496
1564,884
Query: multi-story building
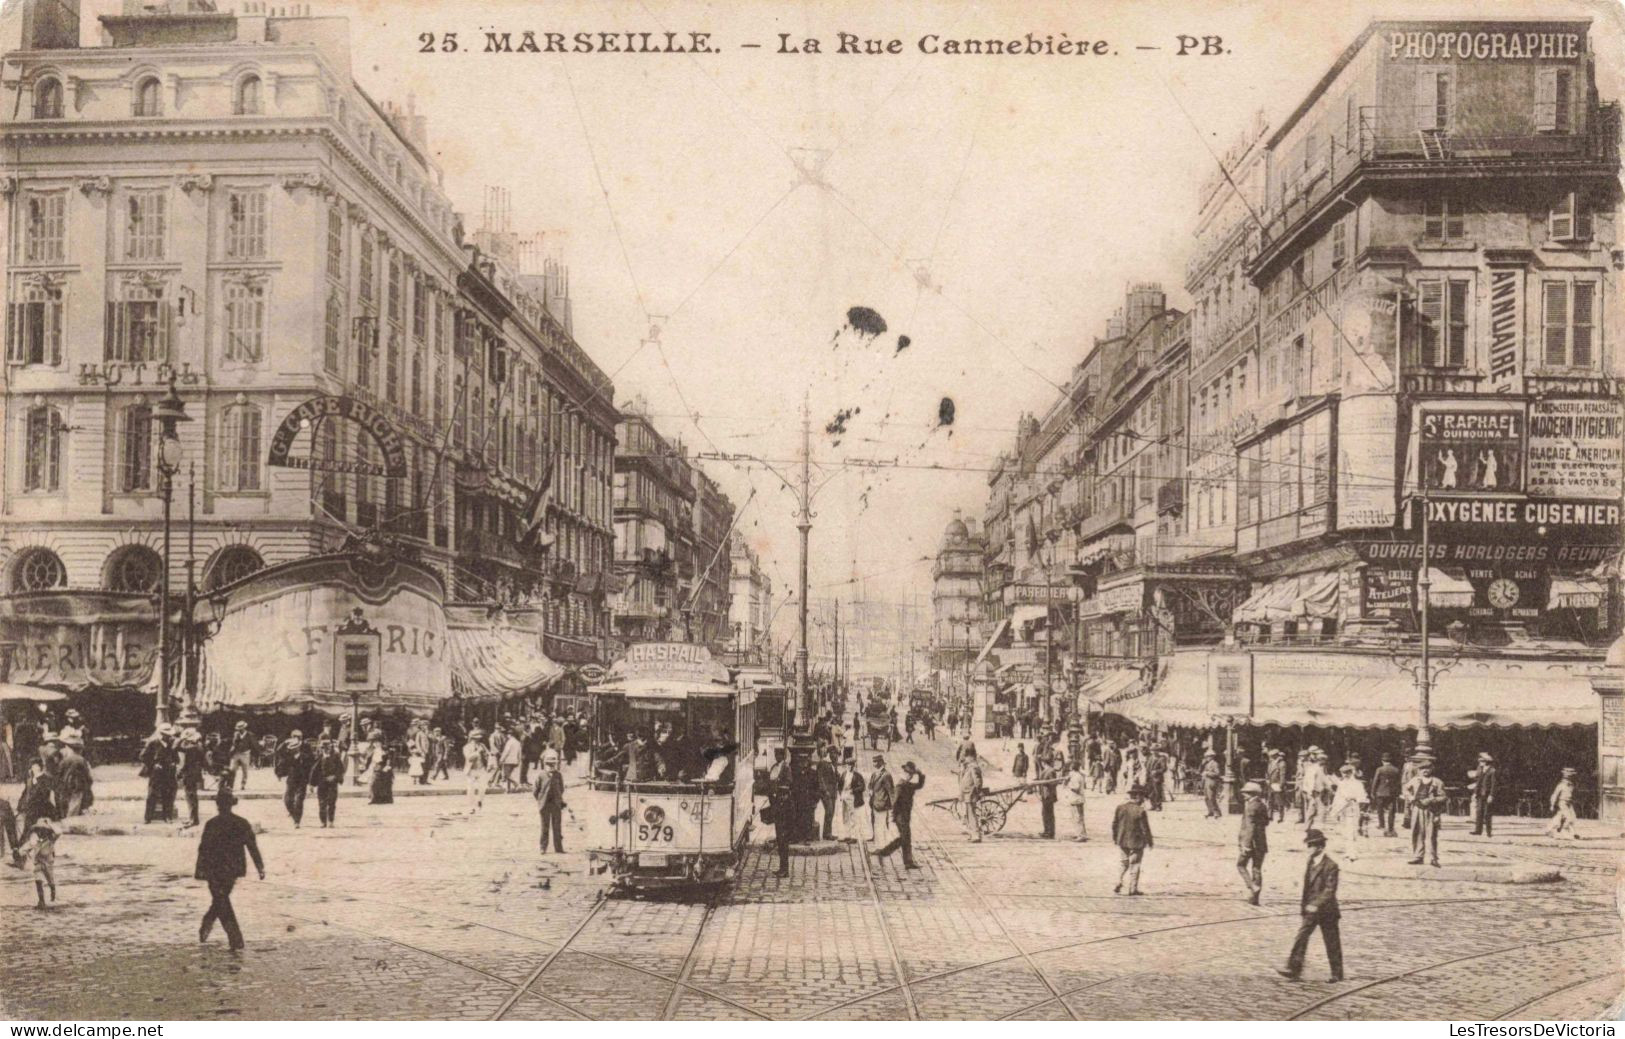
713,561
654,529
209,201
956,597
750,605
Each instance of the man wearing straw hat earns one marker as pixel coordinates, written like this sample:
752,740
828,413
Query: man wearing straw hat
1253,842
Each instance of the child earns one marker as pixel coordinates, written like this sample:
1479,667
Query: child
41,847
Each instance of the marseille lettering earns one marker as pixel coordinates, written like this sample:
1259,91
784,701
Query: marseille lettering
1482,46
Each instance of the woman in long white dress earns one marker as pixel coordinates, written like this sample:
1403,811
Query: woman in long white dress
476,770
1347,797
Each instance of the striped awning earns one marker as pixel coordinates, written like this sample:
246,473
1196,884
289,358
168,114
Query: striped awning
491,662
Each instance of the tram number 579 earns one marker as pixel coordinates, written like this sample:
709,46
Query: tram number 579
653,826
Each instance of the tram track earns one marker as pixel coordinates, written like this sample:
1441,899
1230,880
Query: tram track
898,965
1582,983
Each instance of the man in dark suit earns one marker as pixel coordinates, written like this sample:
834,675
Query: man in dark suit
881,789
1131,832
1049,773
1319,906
781,801
1385,785
326,775
292,763
550,799
1484,796
829,787
902,814
1253,842
220,861
158,765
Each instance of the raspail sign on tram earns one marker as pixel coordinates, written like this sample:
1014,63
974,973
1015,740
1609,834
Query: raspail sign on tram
669,661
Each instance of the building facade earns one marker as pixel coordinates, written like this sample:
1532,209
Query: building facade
654,529
209,201
712,584
750,605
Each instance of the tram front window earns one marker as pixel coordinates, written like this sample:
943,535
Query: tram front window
657,740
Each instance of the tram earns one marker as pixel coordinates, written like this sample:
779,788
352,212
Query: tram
670,782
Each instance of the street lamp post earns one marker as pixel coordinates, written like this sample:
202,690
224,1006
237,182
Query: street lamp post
169,412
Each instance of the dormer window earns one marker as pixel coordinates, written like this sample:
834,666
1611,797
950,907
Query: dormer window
247,101
48,99
148,100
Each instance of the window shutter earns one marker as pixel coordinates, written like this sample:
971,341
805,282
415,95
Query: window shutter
1563,118
166,329
1582,218
1561,225
1427,101
53,479
1456,346
1545,100
1580,353
1433,219
110,333
1431,309
1555,305
14,337
53,329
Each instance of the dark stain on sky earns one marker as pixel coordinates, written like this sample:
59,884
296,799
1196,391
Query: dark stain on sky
837,426
865,322
902,344
945,412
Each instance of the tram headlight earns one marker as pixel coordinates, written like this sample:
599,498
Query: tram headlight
654,815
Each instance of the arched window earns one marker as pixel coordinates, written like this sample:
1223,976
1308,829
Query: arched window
48,99
38,570
148,100
230,565
247,101
133,568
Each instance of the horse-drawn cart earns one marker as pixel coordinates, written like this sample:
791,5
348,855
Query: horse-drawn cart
993,806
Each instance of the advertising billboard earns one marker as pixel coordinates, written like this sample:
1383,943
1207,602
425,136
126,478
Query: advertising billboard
1471,451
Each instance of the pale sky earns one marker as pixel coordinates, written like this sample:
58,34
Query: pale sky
1031,189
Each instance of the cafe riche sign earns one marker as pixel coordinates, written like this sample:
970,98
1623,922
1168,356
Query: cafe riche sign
328,408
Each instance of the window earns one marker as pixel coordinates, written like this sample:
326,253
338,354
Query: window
1443,220
333,334
1442,328
230,565
392,367
420,310
48,99
147,101
139,325
45,227
366,279
245,320
134,568
366,345
144,221
245,225
335,245
415,396
1300,366
38,570
34,326
238,458
1554,105
42,442
1339,243
476,413
1570,219
459,431
247,101
1568,323
134,457
1434,92
394,302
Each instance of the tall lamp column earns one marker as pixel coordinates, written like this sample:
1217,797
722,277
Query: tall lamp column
168,413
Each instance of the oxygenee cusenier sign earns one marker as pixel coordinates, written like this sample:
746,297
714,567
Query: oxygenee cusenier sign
312,411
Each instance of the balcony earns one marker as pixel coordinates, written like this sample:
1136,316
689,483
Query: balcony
1383,149
489,546
1104,519
1431,381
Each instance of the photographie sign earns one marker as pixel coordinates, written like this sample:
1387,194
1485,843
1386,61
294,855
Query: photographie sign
1467,451
1574,449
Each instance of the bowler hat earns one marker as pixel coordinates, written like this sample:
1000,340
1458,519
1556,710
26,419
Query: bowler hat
908,766
879,759
1569,771
1136,790
225,797
1314,837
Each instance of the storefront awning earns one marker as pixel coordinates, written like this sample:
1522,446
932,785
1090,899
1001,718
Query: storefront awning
1577,593
1111,685
987,647
1096,551
1024,615
76,640
1291,598
1368,691
491,663
1446,590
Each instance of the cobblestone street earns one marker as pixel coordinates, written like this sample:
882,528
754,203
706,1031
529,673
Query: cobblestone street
416,910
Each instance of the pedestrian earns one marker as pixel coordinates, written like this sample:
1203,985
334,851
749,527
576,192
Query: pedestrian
158,765
190,767
970,792
1018,765
9,837
1253,843
40,848
881,789
1156,774
292,763
1275,777
417,755
1347,797
220,861
508,759
966,749
441,753
1049,779
73,772
903,815
1319,909
1564,821
1385,787
1077,781
1212,775
1131,832
380,769
850,789
242,756
41,797
476,769
1484,796
779,803
326,775
1428,800
75,733
829,789
549,793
